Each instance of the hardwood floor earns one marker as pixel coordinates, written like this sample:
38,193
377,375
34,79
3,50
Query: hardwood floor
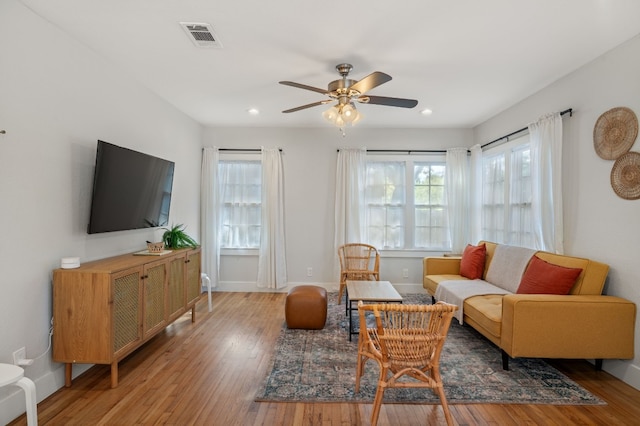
207,372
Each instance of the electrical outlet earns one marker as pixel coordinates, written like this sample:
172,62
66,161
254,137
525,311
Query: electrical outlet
309,271
405,273
19,355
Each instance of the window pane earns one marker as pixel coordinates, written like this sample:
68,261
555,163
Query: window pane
429,206
506,212
385,198
241,195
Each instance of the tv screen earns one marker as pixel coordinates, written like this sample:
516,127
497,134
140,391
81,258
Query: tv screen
131,190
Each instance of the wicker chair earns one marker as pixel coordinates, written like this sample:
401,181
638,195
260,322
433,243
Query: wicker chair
357,262
406,341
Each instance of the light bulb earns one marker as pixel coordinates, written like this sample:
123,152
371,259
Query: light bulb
331,114
349,113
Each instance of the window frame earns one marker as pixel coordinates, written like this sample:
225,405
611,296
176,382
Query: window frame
409,210
235,157
519,236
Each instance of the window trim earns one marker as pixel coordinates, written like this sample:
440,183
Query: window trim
506,150
409,205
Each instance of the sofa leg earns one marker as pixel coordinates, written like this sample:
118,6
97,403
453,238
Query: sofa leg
599,364
505,361
433,300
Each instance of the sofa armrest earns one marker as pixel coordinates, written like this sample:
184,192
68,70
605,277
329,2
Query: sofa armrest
572,326
441,266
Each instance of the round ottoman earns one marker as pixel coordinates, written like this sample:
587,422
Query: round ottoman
306,307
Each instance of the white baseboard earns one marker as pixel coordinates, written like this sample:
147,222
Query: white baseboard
623,370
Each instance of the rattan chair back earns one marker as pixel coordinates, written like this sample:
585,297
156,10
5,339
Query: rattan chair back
358,261
407,340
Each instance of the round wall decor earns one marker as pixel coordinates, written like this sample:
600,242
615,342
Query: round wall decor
625,176
615,132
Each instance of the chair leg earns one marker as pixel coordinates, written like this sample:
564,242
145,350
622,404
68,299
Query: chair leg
359,369
377,402
445,406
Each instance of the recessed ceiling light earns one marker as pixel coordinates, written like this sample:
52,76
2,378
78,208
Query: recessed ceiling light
253,111
426,112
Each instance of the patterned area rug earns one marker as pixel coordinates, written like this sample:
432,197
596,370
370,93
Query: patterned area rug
319,366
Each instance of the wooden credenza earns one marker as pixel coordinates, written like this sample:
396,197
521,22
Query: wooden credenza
105,309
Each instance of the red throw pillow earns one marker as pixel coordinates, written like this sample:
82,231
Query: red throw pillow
472,262
542,277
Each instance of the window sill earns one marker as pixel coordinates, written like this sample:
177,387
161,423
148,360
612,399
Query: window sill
412,253
239,252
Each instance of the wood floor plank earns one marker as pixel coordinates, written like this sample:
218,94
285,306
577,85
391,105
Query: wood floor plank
207,373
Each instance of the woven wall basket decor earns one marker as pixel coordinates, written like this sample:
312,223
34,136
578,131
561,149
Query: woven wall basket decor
625,176
615,132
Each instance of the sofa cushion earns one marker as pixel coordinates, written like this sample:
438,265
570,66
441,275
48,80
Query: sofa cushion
508,265
431,282
542,277
486,312
472,262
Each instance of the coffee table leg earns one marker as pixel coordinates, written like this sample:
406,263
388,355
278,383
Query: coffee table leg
346,300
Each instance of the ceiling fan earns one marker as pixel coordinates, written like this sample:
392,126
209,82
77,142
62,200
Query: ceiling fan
346,91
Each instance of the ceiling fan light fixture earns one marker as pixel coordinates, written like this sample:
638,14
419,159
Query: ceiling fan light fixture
349,113
347,91
331,114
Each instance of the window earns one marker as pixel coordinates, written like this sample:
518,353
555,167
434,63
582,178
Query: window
506,194
405,207
431,229
241,187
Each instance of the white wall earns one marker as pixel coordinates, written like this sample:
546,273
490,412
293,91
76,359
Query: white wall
56,99
309,160
597,223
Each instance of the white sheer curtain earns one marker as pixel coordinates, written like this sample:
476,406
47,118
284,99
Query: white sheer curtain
240,200
349,203
456,183
209,214
546,187
475,195
272,264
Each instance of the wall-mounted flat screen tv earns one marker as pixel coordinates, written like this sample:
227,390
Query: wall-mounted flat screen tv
131,190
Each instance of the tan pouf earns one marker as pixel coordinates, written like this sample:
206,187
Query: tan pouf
306,307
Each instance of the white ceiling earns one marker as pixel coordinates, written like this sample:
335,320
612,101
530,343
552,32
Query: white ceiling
467,60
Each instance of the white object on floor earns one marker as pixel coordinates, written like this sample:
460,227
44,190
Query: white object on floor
205,278
14,375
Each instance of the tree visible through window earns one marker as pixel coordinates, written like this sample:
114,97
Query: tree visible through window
405,205
431,229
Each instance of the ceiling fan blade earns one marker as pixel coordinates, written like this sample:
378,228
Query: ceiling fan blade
304,86
308,106
383,100
374,79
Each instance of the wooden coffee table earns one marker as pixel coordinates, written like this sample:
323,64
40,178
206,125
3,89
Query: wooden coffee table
368,291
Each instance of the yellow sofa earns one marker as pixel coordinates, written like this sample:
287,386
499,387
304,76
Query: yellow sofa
584,324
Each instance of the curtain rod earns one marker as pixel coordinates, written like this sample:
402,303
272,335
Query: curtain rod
409,151
443,151
566,111
244,149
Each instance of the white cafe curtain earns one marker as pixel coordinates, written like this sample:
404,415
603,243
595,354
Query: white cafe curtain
272,265
210,214
475,195
456,183
349,202
545,137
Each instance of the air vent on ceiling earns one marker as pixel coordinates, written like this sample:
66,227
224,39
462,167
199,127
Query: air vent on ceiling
202,35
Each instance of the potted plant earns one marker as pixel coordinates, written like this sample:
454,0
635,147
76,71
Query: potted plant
175,237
